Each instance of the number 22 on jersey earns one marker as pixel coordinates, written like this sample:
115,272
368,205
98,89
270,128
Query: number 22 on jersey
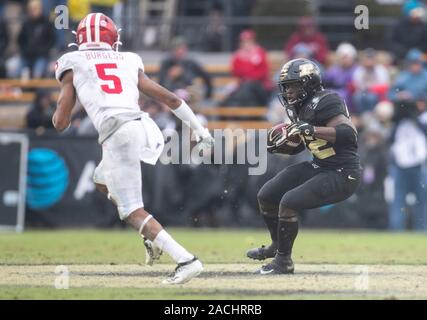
317,147
114,85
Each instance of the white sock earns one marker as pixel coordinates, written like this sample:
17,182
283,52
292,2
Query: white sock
166,243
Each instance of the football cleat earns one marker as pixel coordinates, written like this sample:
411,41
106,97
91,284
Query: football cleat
184,272
152,252
279,265
262,253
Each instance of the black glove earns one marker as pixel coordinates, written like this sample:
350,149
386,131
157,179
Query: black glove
301,127
271,140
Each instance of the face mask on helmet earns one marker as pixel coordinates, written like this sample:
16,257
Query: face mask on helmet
291,92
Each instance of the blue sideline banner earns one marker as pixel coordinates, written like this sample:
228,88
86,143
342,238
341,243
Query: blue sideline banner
60,190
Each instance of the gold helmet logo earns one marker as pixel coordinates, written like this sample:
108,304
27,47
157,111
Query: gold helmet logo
284,72
307,69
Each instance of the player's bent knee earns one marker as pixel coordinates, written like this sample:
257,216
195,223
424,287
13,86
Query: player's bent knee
291,201
266,207
126,210
289,215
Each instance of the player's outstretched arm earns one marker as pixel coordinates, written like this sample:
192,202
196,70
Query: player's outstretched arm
179,107
67,98
339,129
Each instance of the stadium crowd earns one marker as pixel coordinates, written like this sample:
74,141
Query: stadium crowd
385,91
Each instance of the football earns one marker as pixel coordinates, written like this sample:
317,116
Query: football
278,140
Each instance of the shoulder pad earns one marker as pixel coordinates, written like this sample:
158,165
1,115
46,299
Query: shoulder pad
136,59
323,98
66,62
327,104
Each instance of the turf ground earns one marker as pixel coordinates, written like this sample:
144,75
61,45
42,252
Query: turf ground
110,265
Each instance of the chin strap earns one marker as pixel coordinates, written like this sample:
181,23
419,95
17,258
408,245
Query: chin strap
73,43
118,42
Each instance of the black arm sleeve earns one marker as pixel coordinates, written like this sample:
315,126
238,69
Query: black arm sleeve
345,135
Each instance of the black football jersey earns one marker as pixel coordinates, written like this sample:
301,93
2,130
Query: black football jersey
317,111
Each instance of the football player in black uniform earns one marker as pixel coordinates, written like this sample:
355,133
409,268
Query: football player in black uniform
320,117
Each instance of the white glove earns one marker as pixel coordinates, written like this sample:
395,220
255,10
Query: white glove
205,140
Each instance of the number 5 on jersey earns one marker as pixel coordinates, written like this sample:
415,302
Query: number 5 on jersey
116,86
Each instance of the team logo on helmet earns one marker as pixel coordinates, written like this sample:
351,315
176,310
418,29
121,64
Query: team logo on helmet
307,69
284,72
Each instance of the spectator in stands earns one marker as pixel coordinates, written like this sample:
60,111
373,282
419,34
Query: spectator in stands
49,12
383,113
303,51
249,65
36,39
41,112
308,34
409,150
410,31
50,5
409,153
370,82
213,37
374,154
178,71
4,42
411,83
340,75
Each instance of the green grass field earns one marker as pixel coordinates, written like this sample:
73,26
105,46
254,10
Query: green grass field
109,265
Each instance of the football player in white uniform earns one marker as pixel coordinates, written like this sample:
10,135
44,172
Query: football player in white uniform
108,83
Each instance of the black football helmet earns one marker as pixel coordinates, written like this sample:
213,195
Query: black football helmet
299,79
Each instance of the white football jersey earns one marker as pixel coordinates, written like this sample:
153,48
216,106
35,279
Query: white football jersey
106,81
